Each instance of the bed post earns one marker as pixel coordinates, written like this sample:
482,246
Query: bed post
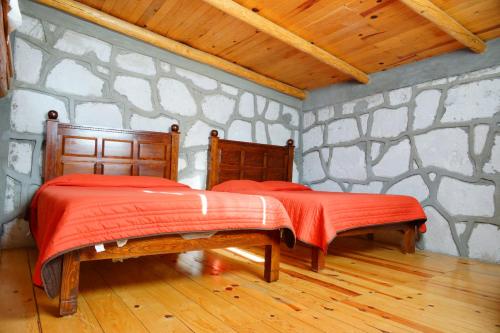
291,149
317,259
409,234
68,297
174,133
49,167
272,253
213,160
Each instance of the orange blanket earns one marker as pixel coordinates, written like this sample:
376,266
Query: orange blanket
76,211
317,217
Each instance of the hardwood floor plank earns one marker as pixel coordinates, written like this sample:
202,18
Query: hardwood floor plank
17,303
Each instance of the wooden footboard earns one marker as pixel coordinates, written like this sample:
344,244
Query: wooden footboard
68,298
409,230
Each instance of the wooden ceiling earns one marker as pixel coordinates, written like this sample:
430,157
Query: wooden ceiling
367,35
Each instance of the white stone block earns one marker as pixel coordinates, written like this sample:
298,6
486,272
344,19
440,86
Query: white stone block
325,154
98,114
201,81
426,106
175,97
218,108
229,89
240,130
182,164
196,182
326,113
461,198
246,105
261,104
32,27
388,123
102,69
29,110
371,187
260,132
493,165
395,161
273,110
158,124
484,242
79,44
375,150
312,138
309,118
135,62
279,134
198,134
295,173
136,90
480,135
293,113
348,163
165,67
27,62
200,160
472,100
438,237
413,186
445,148
327,186
342,130
72,78
20,156
312,169
12,195
400,96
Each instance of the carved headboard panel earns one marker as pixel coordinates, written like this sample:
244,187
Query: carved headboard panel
93,150
229,160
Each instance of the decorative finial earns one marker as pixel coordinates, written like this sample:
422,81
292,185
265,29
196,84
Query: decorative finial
53,115
174,128
289,142
214,133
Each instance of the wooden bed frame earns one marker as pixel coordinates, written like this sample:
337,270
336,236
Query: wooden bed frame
230,160
91,150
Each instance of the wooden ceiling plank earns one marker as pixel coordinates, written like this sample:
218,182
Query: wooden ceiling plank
95,16
248,16
447,23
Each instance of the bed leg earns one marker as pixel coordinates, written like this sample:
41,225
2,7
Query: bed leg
272,264
317,259
69,283
408,244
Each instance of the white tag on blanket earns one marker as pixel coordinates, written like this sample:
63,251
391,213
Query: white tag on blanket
99,248
121,242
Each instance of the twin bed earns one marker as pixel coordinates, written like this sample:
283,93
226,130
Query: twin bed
89,208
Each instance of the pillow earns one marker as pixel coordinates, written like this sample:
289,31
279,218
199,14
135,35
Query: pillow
89,180
277,185
238,186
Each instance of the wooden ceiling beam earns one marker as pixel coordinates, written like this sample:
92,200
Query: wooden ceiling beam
262,24
113,23
446,23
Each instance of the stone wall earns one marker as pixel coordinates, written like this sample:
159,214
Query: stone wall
438,141
95,77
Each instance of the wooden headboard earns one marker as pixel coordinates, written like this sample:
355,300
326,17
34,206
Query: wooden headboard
93,150
229,160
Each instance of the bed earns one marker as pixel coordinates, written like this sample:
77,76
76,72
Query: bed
317,217
112,194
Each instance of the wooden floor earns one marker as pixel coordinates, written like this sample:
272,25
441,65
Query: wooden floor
367,287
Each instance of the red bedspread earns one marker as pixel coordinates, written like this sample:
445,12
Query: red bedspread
317,217
75,211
